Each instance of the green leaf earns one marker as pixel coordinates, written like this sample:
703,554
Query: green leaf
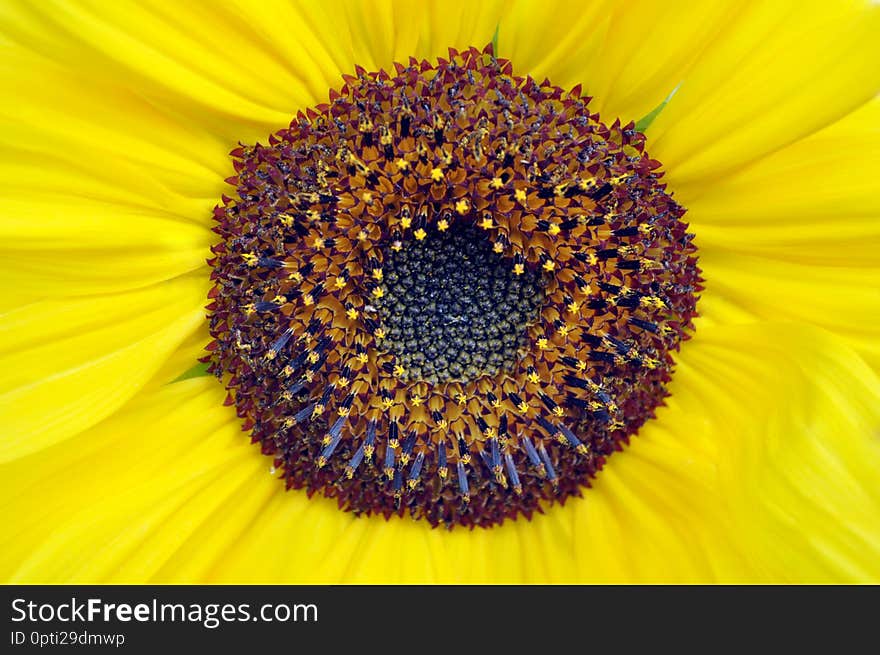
495,40
196,371
645,121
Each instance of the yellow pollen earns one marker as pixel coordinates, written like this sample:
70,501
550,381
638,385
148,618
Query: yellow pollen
585,184
368,197
286,219
487,223
652,301
380,333
519,269
523,407
319,243
543,344
250,258
442,225
520,195
420,234
534,378
399,370
377,274
436,174
549,265
352,314
462,206
554,229
496,183
378,292
405,222
340,283
402,164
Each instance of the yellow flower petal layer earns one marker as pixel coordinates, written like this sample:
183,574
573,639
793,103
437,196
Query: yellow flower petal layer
796,235
779,71
731,482
241,69
66,364
98,192
628,55
797,459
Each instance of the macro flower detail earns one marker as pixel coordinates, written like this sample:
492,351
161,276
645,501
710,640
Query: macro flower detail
450,291
757,456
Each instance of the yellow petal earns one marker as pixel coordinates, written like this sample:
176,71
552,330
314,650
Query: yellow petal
241,69
778,72
67,364
816,201
65,246
797,445
795,235
129,491
628,55
99,191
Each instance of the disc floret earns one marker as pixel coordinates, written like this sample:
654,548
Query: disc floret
449,291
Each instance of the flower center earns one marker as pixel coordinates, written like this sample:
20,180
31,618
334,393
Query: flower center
449,291
452,309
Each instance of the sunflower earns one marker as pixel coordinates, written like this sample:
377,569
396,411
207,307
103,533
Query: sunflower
594,302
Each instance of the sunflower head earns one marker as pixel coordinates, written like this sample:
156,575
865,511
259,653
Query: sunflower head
449,291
